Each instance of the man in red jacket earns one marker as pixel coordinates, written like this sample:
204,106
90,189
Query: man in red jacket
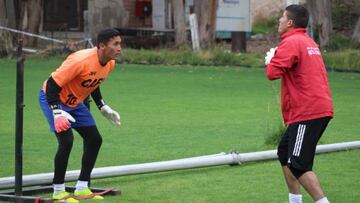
306,101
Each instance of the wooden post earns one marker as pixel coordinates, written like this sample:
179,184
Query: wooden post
194,28
238,41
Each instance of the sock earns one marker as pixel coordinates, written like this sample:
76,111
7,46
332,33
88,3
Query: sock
59,188
323,200
295,198
80,185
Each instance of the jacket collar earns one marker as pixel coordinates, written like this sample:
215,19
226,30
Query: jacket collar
295,30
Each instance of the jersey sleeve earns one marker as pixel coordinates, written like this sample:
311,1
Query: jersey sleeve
286,56
96,95
68,70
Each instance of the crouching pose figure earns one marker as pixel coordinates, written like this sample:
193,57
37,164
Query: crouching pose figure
61,99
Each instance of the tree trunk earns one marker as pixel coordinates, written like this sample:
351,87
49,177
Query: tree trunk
7,19
320,11
31,11
356,34
205,11
168,16
179,22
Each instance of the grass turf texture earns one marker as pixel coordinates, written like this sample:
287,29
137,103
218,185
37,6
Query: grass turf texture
343,60
171,112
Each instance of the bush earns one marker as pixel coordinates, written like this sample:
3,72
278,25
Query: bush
345,14
215,56
339,42
274,134
345,60
265,25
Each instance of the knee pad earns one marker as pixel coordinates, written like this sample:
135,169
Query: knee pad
297,172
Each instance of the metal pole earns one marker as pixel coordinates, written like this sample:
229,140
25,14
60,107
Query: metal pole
193,162
19,119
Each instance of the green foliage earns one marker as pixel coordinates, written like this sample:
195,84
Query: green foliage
341,60
265,25
275,127
221,57
344,17
345,14
338,41
344,60
273,134
162,56
215,56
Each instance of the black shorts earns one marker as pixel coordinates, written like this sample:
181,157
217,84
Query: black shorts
298,144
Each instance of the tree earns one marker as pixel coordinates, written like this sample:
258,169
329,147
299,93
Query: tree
30,16
320,11
205,11
356,34
7,19
179,22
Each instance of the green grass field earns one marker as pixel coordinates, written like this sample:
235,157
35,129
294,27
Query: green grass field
171,112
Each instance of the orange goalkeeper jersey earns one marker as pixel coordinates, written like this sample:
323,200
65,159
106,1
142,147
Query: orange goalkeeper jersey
79,75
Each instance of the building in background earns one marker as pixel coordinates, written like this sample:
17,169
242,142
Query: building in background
76,19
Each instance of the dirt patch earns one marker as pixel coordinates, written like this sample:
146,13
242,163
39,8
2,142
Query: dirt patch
261,43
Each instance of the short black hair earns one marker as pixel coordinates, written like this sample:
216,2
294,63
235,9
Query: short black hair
298,14
105,35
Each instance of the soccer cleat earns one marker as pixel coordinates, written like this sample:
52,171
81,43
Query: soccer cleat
87,194
64,197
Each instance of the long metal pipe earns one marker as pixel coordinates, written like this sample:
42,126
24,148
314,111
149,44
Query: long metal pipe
232,158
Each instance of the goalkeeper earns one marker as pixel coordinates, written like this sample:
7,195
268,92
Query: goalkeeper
61,100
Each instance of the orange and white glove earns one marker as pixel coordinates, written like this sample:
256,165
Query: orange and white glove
111,115
62,120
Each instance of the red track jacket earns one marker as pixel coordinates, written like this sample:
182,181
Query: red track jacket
305,92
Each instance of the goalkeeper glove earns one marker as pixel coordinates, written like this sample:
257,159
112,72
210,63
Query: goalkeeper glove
269,55
111,115
61,120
